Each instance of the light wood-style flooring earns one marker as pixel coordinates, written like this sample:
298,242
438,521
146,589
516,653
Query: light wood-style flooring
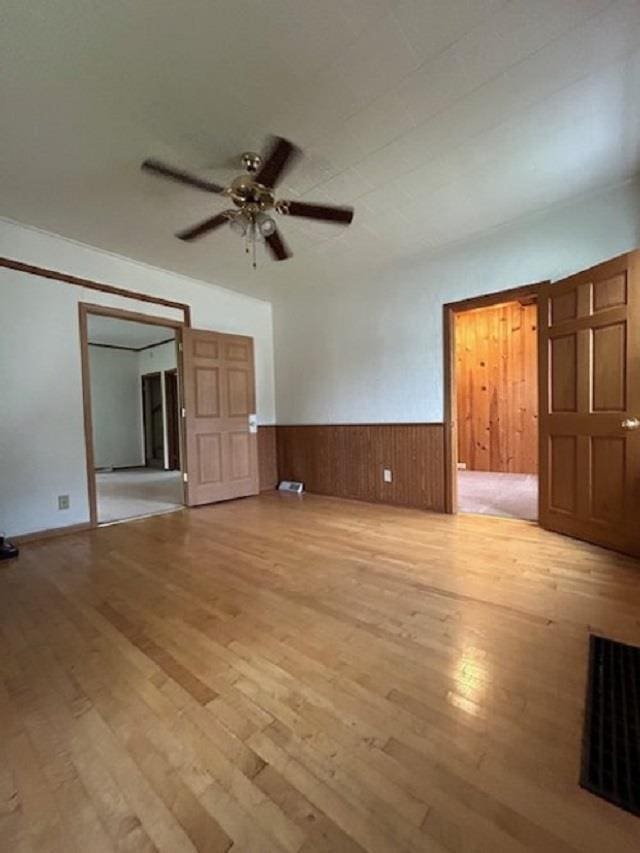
284,674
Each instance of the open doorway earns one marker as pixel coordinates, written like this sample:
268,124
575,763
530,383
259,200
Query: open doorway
153,420
135,421
491,356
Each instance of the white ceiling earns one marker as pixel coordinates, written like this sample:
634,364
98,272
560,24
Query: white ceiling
436,119
124,333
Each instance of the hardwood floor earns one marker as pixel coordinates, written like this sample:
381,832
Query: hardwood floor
278,674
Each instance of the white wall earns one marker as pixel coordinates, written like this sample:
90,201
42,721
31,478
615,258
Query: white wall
42,451
158,358
369,348
116,407
116,401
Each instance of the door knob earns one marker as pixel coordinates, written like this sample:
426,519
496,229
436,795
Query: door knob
630,423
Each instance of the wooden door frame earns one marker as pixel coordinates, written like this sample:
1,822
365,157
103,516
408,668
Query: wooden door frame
144,376
84,310
449,311
167,380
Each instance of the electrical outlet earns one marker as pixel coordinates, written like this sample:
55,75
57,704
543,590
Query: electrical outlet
387,475
63,501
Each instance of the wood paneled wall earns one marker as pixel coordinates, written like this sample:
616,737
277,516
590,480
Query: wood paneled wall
497,388
267,458
348,461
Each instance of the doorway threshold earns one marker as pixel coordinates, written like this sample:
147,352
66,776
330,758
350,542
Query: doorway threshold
140,517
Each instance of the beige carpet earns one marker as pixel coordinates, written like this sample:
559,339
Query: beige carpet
137,491
507,495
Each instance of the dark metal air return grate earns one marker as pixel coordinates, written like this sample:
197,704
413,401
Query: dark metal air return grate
611,745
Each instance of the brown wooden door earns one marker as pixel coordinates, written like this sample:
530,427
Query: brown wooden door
219,398
589,402
172,418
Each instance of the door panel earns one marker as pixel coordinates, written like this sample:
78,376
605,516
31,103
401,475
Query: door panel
610,292
589,396
238,350
209,450
564,486
240,446
608,465
564,373
563,306
239,392
207,402
609,357
219,396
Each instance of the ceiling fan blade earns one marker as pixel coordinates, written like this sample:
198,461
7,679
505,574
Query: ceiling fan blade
324,212
280,158
180,176
278,248
203,227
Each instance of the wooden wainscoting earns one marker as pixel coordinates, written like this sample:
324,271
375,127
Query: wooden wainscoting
348,461
267,458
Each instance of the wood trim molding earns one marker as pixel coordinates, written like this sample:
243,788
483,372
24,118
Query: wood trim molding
67,278
171,387
528,292
50,533
361,424
84,309
136,316
86,413
450,429
131,349
347,460
153,374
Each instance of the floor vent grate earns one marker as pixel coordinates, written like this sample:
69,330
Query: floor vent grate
611,745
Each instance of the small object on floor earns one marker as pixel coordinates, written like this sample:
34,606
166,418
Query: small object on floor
611,740
7,549
291,486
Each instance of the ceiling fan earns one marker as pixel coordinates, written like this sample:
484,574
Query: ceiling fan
253,195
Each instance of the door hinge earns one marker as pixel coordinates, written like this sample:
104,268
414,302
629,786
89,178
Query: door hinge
179,346
185,477
183,412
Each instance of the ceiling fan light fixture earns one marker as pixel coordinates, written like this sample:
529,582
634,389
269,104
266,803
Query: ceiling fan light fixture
266,225
239,223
